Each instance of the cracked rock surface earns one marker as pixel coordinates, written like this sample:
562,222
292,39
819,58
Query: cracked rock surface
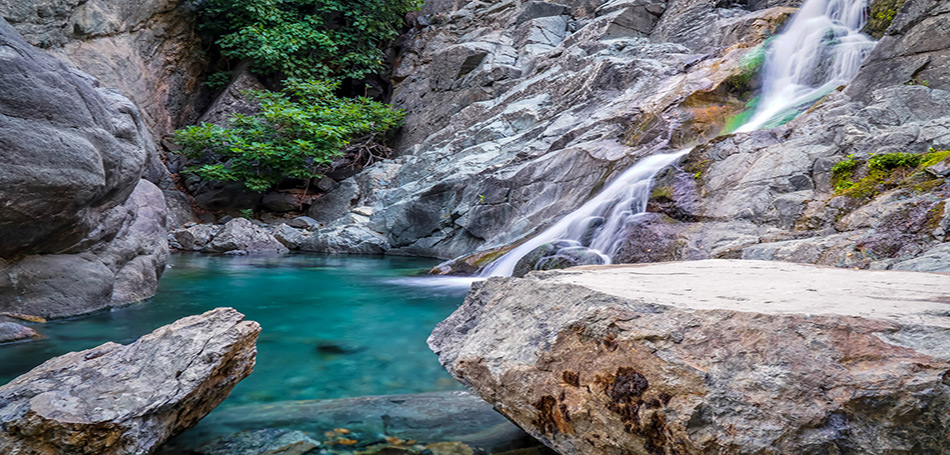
711,357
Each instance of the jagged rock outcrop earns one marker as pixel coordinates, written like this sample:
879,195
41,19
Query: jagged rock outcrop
770,194
81,230
520,111
116,399
739,357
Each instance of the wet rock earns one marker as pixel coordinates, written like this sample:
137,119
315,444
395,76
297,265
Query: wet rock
11,331
428,417
121,399
241,234
710,357
557,255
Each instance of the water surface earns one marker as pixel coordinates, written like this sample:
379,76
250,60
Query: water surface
333,326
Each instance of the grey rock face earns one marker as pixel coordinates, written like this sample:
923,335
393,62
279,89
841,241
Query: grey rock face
116,399
915,50
147,49
76,155
740,357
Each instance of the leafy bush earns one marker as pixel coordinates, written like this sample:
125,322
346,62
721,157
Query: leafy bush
322,39
296,134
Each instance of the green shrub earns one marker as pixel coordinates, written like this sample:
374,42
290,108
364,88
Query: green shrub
296,134
320,39
891,161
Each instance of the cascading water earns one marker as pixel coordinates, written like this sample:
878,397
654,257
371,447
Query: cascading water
821,49
596,227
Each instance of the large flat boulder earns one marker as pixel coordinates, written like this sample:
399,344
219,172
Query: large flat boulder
719,356
116,399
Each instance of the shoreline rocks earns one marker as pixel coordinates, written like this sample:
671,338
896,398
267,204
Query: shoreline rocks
128,399
718,356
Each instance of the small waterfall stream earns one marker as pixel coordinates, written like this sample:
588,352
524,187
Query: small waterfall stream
821,48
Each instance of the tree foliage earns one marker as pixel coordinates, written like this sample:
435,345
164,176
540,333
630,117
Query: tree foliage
296,134
321,39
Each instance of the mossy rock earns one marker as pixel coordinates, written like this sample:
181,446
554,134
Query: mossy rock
882,13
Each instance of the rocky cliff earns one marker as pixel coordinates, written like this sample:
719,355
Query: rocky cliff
147,49
81,230
711,357
519,111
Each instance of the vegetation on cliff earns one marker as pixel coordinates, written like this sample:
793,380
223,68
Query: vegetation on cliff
301,128
296,134
323,39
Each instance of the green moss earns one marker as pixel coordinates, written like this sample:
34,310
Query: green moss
934,157
892,161
662,193
884,172
882,13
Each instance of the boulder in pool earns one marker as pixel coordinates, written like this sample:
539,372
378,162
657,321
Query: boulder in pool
711,357
127,399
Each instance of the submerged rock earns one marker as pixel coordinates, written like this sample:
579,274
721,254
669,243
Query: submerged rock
739,357
458,417
116,399
261,442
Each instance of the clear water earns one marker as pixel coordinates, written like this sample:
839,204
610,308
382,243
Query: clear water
369,314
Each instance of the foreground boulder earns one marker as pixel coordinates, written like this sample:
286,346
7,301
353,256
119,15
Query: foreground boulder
116,399
738,357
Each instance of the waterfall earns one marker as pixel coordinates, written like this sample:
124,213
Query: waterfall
821,49
597,227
